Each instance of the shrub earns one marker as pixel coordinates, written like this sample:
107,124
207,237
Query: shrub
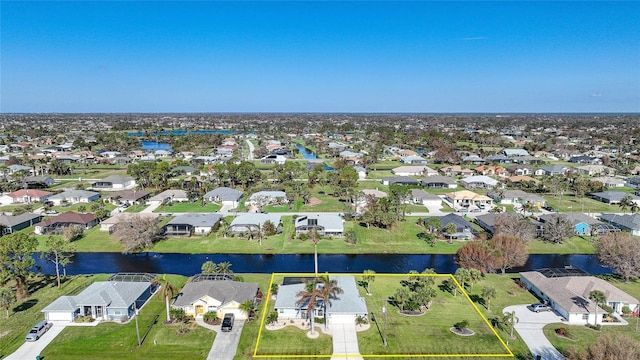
178,314
461,325
626,311
561,331
594,327
361,320
210,316
272,317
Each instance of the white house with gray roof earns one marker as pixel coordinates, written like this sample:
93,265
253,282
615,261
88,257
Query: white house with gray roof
115,182
630,223
74,197
226,196
343,309
221,296
189,224
102,300
324,224
262,198
253,222
569,296
168,196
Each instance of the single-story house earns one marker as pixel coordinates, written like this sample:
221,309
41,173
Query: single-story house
168,196
608,181
110,223
343,309
413,171
74,197
222,296
25,196
399,180
32,182
113,300
464,229
115,182
554,170
584,159
582,224
246,223
262,198
185,169
70,218
324,224
273,159
479,182
467,199
439,182
362,172
414,160
514,152
128,196
492,170
456,170
569,295
630,223
227,196
474,159
10,223
419,196
516,197
488,221
594,170
613,197
499,159
188,224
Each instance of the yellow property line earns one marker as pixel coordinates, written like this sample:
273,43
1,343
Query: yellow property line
282,356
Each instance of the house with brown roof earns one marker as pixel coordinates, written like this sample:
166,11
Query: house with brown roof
569,295
25,196
64,220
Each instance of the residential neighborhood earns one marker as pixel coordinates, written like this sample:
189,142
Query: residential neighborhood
543,189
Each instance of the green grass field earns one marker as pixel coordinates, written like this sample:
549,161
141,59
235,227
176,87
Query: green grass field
189,207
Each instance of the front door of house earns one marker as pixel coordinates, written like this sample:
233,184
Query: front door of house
199,309
99,310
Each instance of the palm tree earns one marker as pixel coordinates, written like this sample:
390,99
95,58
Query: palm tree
626,202
512,320
308,298
247,307
313,234
598,297
474,276
488,292
368,276
7,298
328,289
168,290
224,268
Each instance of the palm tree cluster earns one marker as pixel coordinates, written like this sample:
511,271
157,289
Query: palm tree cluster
318,293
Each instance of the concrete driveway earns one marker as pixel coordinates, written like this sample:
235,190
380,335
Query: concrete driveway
225,345
345,342
31,349
530,326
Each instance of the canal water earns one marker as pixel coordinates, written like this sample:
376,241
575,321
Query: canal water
189,264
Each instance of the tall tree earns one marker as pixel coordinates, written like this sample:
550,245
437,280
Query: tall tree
621,252
556,229
328,290
608,347
168,291
137,233
58,251
209,267
626,203
225,268
308,299
16,260
515,225
509,251
476,254
598,297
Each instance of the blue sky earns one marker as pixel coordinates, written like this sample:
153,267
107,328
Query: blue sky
146,56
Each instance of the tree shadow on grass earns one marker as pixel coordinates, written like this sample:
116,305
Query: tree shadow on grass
478,299
25,305
41,283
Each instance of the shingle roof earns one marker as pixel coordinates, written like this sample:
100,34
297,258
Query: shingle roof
224,193
627,221
224,291
196,219
349,302
74,193
572,292
328,221
69,217
10,221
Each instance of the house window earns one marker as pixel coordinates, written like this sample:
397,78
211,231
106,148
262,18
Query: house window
281,311
585,317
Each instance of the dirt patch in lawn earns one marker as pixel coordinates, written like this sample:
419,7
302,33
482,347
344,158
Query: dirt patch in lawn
314,201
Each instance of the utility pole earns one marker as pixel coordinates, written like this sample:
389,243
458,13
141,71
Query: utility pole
384,328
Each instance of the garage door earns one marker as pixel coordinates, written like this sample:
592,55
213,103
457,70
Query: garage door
240,315
342,319
59,316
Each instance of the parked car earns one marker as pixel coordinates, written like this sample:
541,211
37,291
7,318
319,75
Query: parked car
38,330
227,322
540,307
51,212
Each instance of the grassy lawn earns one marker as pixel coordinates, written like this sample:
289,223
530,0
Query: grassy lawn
572,245
570,203
189,207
